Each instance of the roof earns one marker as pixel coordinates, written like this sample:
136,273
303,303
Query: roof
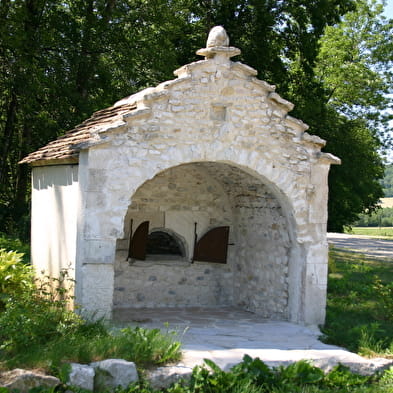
66,148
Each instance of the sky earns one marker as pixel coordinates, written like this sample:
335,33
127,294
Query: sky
389,9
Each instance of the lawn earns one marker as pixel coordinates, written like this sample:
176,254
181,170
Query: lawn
381,232
359,313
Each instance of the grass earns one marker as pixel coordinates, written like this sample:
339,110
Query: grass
380,232
38,329
145,347
359,313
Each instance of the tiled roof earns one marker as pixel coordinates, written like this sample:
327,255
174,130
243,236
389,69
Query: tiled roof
66,147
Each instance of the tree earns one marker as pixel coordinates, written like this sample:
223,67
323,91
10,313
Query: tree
387,181
354,68
62,60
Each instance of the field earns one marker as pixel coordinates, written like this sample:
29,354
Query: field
382,232
387,202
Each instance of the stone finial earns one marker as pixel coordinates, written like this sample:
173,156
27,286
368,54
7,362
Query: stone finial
218,44
217,37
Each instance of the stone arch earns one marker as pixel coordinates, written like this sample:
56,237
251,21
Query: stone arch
223,194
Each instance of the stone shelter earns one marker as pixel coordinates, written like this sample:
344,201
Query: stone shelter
201,191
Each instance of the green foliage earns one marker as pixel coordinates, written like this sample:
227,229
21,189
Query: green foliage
253,376
15,276
148,346
354,185
14,244
40,330
387,181
354,69
37,315
359,308
382,217
62,60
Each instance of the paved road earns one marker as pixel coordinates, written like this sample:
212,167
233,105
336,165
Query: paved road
371,247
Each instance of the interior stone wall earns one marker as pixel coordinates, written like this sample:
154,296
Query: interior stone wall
211,194
175,200
262,243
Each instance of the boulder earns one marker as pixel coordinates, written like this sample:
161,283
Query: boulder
24,380
111,373
81,376
163,377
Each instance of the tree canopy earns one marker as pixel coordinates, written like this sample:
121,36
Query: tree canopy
387,181
62,60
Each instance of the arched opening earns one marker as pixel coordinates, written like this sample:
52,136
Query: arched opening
183,204
162,243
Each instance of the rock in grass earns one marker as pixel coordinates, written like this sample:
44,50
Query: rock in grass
24,380
163,377
81,376
111,373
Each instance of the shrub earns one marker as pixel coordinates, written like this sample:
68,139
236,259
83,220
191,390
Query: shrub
15,276
13,244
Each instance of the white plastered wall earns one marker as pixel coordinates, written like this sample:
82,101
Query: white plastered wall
55,193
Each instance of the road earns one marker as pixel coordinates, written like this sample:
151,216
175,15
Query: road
371,247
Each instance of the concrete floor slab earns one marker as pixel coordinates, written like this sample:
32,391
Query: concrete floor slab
225,335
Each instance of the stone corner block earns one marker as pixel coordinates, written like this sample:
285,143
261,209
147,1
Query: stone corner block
111,373
81,376
163,377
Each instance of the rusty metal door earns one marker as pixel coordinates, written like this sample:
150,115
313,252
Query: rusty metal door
212,246
138,241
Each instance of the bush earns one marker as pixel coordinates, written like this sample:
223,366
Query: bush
13,244
15,276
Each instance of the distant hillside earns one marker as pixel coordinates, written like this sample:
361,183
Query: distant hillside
387,181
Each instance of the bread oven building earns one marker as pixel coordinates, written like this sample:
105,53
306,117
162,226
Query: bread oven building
201,191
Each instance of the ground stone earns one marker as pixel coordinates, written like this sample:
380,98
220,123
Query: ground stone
81,376
163,377
24,380
111,373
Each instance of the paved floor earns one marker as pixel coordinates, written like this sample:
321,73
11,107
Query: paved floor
225,335
371,247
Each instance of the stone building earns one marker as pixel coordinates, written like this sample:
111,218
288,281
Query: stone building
201,191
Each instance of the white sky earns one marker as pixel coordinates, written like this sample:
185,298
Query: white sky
389,9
